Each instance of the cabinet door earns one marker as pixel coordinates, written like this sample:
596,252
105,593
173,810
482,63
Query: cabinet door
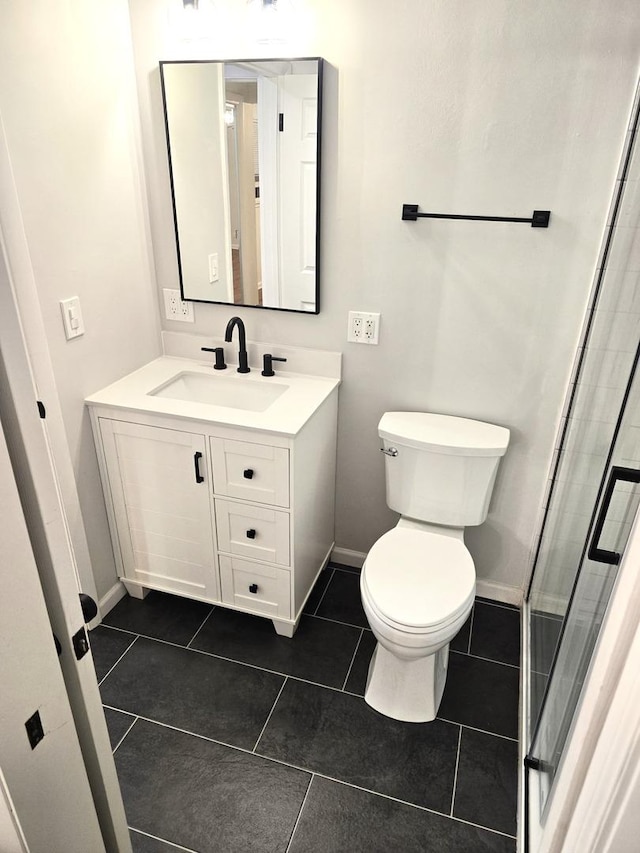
159,485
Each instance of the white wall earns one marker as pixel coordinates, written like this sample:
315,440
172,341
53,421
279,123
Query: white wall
496,108
67,107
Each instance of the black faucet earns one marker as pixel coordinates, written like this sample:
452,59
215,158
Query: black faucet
242,352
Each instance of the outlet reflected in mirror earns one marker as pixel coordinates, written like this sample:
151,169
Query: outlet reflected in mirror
244,157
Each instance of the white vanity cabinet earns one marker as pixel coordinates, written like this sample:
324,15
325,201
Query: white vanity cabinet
237,517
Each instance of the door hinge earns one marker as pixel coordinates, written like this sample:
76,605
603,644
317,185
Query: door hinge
41,409
280,122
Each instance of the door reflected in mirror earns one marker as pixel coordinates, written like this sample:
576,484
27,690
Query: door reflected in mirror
243,139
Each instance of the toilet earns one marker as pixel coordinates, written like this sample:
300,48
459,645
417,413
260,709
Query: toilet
418,581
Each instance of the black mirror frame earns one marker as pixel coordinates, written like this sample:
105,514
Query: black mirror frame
320,62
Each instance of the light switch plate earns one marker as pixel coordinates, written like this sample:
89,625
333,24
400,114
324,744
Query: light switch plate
214,271
72,317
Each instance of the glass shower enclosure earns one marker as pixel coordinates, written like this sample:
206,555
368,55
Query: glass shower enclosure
592,496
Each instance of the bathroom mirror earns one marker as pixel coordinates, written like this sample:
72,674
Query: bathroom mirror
243,139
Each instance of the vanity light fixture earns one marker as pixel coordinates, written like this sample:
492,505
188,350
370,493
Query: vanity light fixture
273,20
190,20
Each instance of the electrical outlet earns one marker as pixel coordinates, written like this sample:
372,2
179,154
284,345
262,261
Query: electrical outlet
371,328
363,327
175,308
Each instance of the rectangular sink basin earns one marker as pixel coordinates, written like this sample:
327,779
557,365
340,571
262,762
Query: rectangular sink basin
232,392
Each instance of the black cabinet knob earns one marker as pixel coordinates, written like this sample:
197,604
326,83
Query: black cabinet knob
248,473
251,534
253,588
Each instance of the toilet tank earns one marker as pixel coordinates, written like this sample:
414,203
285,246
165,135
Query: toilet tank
444,467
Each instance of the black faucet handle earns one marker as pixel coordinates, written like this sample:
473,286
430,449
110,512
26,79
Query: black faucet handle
268,359
219,354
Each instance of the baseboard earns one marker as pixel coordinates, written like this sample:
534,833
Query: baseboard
499,592
111,598
348,557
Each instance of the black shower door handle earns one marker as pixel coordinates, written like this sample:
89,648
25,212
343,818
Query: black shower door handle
601,555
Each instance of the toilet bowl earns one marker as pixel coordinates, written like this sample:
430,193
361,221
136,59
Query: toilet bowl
418,588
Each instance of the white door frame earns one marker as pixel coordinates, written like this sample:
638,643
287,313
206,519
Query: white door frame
594,805
40,456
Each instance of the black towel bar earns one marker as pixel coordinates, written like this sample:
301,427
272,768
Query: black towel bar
540,218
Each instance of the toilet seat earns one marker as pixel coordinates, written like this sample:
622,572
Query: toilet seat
417,581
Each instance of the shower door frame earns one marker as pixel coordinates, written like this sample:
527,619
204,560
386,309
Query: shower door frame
592,806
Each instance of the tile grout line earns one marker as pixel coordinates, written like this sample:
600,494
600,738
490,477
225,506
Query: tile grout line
480,731
204,622
353,657
320,775
503,604
473,613
338,622
455,774
324,592
163,840
266,722
300,813
135,719
488,660
119,659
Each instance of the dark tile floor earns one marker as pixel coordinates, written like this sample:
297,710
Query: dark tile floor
230,738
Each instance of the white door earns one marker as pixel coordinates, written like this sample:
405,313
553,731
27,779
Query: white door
298,190
43,771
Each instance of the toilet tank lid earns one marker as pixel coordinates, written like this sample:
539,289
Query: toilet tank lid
444,433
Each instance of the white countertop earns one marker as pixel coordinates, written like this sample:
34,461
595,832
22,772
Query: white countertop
286,415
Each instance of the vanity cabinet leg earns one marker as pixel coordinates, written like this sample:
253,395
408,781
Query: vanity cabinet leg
136,591
285,629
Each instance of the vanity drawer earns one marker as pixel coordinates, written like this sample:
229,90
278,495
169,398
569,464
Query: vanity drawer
253,531
251,586
251,472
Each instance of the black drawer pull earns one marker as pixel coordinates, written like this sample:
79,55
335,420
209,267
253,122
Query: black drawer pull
253,588
251,534
196,460
248,473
